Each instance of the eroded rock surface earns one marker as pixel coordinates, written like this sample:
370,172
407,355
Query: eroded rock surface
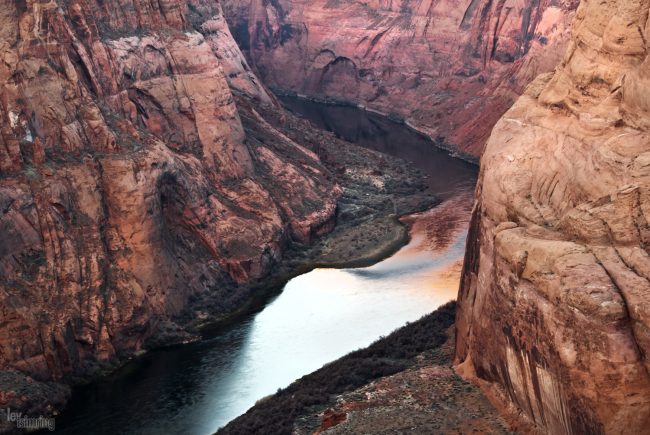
554,311
428,398
450,68
127,185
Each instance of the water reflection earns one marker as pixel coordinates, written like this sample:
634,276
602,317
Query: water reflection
319,317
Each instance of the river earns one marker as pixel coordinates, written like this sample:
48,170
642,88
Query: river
319,316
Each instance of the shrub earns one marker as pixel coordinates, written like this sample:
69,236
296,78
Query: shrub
387,356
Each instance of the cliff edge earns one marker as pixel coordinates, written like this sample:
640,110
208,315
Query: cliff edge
554,306
128,186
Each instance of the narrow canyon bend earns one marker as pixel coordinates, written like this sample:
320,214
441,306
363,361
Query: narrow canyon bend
200,387
449,68
153,186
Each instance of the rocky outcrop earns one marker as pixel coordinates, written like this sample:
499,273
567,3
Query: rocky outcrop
450,68
209,20
128,187
554,314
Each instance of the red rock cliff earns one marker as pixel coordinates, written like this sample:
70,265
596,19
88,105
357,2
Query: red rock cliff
450,68
126,182
554,309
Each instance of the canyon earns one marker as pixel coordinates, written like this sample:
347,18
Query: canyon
552,316
448,68
153,189
130,192
151,184
221,376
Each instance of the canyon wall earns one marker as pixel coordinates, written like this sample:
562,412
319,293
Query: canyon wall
554,306
449,68
128,188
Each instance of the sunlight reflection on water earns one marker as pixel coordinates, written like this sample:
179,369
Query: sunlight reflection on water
319,317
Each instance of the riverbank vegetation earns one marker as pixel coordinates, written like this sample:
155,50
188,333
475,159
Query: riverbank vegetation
392,354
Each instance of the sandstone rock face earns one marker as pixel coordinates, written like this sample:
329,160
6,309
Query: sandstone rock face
450,68
126,183
554,306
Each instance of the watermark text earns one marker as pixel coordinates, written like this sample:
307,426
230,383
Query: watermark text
26,422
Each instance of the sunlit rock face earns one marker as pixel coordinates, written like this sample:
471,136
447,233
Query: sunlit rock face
451,68
554,309
127,185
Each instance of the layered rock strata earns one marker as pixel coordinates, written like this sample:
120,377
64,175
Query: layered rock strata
449,68
128,187
554,314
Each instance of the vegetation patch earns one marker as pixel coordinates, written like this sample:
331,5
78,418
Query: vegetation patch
387,356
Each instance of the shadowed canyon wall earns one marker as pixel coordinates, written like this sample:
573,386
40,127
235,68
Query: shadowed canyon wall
554,307
127,185
449,68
